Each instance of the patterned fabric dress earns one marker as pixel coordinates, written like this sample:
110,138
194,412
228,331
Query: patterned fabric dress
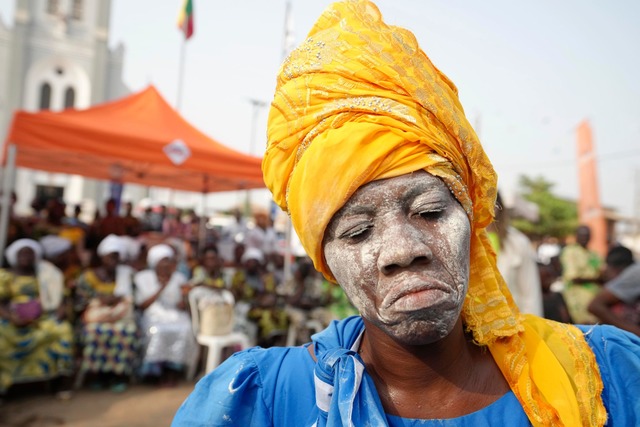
201,276
579,262
258,290
109,347
40,351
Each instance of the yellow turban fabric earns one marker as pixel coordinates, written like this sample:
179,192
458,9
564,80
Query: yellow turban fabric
359,101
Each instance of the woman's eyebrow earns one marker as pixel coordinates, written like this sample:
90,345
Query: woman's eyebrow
427,190
365,209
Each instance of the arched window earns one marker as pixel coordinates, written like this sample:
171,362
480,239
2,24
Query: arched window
76,10
45,96
52,7
69,98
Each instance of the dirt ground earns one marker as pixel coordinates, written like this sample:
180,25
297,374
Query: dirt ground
140,406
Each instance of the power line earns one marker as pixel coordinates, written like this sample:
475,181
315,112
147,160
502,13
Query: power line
571,161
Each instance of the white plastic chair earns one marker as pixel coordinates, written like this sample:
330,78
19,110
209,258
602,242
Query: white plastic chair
298,321
215,343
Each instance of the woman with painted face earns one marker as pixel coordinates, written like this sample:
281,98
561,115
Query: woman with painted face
400,224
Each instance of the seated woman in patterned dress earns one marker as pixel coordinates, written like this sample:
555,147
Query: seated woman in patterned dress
108,326
257,288
209,272
169,344
35,339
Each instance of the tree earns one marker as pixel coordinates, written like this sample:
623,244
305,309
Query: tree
557,217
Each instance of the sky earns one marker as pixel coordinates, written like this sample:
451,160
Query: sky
527,73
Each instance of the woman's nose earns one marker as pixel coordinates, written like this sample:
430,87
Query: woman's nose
402,245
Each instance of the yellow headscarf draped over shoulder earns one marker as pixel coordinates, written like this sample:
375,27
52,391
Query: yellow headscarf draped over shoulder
359,101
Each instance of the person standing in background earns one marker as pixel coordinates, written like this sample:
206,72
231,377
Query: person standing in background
581,274
262,236
112,223
132,225
516,262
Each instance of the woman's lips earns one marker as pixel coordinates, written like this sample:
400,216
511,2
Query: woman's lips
416,293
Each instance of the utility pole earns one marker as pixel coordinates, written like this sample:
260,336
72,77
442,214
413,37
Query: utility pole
257,105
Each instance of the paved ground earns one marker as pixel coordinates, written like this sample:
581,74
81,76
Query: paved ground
140,406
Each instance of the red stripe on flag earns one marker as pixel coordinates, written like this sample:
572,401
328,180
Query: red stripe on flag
185,19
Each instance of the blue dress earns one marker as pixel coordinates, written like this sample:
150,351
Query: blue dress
277,387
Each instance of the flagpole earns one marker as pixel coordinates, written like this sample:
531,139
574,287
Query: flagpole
179,96
186,26
181,73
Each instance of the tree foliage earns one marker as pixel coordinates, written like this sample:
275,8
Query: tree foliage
557,217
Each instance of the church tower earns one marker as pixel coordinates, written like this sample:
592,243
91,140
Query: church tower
57,56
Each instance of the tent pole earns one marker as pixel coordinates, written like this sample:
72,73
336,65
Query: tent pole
202,231
288,271
7,187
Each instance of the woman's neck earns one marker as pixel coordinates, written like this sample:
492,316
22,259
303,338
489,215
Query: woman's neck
106,275
213,273
451,377
25,271
163,276
400,363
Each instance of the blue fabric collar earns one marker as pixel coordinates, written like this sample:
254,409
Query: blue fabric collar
345,395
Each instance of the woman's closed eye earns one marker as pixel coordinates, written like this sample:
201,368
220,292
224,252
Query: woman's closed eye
356,233
431,213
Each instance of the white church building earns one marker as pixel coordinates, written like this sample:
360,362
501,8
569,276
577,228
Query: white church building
54,55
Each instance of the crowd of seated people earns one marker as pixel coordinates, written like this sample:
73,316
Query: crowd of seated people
101,303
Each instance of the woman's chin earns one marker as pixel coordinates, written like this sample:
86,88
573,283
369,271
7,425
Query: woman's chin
418,331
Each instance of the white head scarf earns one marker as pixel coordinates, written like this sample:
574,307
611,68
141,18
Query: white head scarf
12,251
53,246
253,253
111,244
158,253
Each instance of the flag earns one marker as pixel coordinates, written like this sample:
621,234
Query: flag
185,19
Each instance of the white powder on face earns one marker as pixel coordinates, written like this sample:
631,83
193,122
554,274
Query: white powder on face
396,235
457,250
356,290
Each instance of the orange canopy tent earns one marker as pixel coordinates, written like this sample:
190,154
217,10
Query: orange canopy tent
138,139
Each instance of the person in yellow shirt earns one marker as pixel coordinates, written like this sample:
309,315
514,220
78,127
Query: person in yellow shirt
581,273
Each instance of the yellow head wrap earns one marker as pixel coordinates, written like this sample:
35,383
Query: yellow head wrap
359,101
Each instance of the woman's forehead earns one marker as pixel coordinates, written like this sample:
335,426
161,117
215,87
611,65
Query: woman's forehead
408,185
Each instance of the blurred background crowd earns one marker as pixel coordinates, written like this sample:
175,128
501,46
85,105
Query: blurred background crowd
126,293
130,295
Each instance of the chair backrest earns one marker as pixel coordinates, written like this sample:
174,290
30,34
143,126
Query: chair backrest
211,311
